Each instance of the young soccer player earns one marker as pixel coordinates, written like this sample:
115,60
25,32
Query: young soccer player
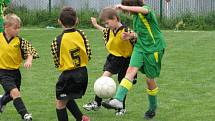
3,5
119,48
71,53
13,50
146,56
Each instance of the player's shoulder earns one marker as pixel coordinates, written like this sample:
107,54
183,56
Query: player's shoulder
21,39
82,33
148,7
58,37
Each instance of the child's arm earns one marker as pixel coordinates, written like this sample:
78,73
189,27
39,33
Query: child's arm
96,25
135,9
28,53
54,51
129,35
28,62
5,4
27,49
87,45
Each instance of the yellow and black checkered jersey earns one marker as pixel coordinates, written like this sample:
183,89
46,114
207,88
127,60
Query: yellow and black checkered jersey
13,51
115,45
70,50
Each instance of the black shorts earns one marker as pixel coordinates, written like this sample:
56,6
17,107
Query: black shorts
72,84
117,65
10,79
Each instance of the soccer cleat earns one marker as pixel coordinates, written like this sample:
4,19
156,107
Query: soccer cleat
149,114
85,118
1,105
120,112
112,104
27,117
91,106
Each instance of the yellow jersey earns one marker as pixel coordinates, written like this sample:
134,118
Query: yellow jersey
115,45
13,51
70,50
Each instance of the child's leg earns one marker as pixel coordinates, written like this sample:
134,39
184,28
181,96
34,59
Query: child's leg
98,100
121,75
94,105
61,110
123,88
73,108
126,83
6,98
152,94
17,102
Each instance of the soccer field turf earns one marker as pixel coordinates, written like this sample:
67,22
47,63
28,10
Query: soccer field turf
186,87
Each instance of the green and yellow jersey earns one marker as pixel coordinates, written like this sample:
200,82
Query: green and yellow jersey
3,3
70,50
13,51
114,43
150,39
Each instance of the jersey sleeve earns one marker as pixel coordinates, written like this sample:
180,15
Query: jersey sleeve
150,11
54,52
148,8
27,48
6,3
87,45
106,32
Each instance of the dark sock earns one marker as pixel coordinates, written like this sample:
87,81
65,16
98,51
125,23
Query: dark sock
6,98
20,107
62,114
98,100
73,108
124,102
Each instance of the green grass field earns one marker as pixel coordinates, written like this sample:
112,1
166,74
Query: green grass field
186,81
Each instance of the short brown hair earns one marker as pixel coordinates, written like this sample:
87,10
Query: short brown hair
68,17
108,13
132,2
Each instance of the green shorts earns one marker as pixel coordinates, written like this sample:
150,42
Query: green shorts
148,63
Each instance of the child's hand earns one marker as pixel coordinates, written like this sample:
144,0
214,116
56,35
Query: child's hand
126,36
129,35
28,62
118,6
93,20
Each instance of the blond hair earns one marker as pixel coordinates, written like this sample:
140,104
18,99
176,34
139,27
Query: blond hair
10,18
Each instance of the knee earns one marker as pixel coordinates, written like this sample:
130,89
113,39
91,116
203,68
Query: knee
151,84
60,104
131,73
14,93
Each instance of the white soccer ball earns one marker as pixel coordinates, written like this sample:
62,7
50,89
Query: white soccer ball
105,87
